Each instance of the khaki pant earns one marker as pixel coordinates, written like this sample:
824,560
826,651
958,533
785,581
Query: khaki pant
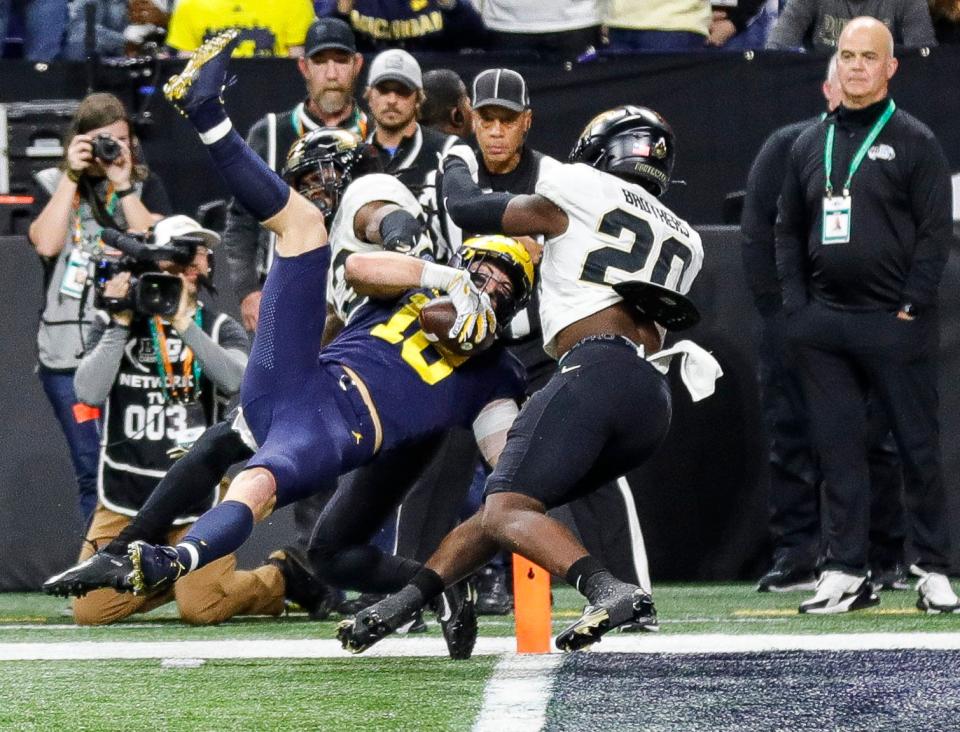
211,594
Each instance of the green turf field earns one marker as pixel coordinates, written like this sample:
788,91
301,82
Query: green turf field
339,693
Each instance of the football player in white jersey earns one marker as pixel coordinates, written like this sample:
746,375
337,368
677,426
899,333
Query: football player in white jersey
616,267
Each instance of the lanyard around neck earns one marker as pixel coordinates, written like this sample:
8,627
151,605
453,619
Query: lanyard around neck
858,158
112,201
165,368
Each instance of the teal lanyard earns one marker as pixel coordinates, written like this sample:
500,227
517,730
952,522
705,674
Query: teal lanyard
160,357
858,158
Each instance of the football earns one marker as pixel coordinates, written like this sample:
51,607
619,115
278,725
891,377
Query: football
437,318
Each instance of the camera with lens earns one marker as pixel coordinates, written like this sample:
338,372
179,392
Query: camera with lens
106,148
152,291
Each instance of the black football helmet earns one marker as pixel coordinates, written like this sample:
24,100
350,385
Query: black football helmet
322,163
630,142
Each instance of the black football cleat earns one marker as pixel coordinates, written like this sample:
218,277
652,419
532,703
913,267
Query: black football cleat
205,75
456,610
493,593
102,570
301,587
627,604
376,622
155,568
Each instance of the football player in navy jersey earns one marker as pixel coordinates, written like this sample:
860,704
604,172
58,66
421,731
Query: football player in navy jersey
379,385
615,270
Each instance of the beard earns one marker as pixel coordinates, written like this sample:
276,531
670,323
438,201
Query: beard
331,101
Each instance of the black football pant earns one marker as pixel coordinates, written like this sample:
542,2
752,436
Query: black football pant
795,482
843,356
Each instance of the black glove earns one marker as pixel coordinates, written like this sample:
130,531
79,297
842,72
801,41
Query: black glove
400,231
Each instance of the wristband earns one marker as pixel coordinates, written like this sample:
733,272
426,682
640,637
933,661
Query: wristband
73,175
437,276
125,192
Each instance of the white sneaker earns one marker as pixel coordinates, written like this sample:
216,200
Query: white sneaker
936,594
839,592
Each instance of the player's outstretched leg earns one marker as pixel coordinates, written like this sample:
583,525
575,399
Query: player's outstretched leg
197,93
101,570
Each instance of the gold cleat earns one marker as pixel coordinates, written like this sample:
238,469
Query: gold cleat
178,86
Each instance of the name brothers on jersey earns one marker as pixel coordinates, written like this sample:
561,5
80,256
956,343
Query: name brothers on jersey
661,213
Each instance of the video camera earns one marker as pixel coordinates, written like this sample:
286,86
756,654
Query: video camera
152,291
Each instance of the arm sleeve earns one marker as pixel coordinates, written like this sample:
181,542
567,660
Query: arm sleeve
757,226
471,208
791,238
917,26
98,368
930,203
241,235
223,360
793,23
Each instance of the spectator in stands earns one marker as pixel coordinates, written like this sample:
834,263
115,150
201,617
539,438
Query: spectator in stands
122,27
564,31
946,20
657,25
424,25
270,27
741,24
446,105
816,24
74,203
45,23
409,151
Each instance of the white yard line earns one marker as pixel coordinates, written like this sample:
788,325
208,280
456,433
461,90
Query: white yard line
329,648
517,693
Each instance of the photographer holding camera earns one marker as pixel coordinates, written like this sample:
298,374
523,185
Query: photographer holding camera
102,182
161,381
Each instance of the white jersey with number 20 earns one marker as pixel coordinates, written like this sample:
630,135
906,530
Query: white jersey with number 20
618,232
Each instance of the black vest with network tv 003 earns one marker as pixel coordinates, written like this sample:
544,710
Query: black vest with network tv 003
140,423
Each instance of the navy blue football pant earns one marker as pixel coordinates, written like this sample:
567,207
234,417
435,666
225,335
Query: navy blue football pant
842,357
795,480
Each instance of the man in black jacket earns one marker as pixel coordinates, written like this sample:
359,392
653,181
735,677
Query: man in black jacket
794,475
862,240
410,151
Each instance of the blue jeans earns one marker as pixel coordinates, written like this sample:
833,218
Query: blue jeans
45,24
622,39
83,438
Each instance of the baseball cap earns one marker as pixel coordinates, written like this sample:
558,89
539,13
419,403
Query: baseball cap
500,88
180,225
327,33
396,65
